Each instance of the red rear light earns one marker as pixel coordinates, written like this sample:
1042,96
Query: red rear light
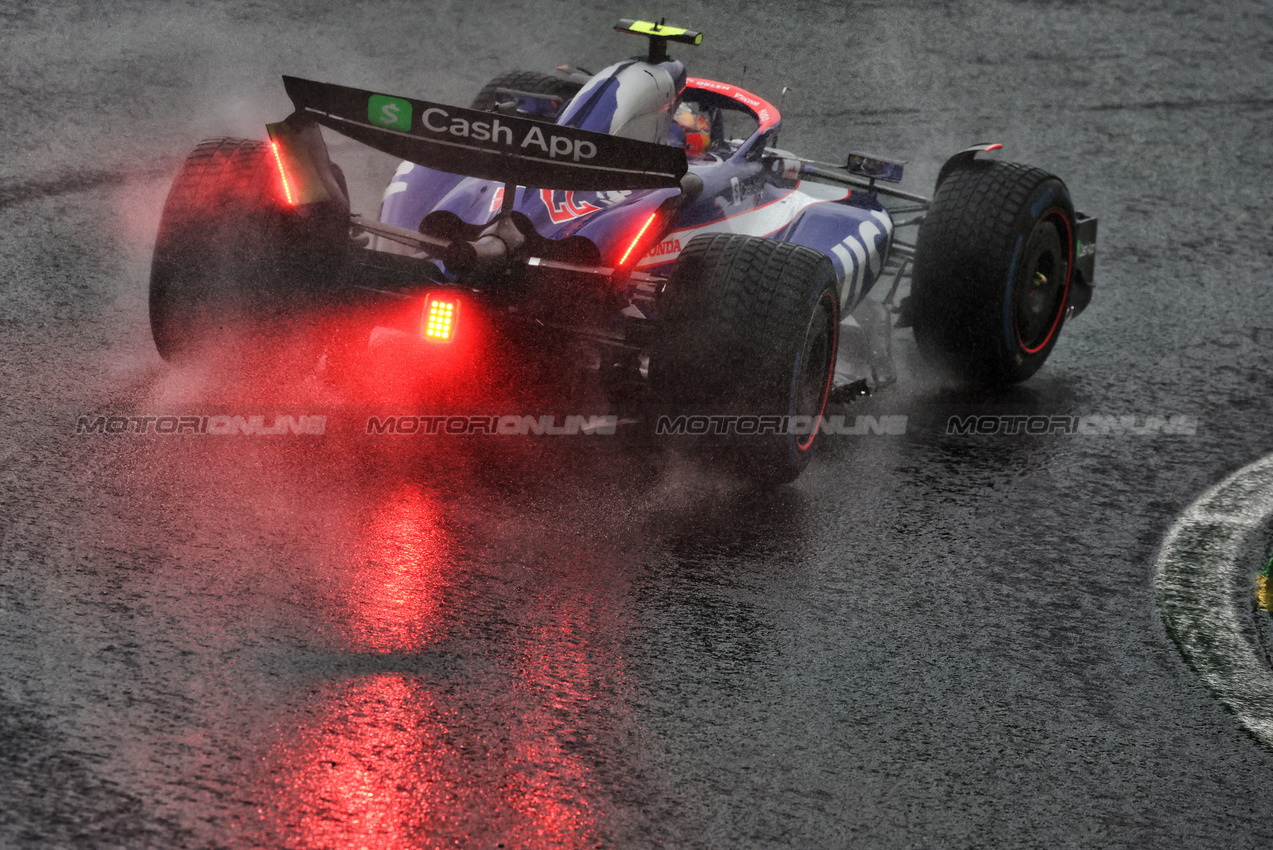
640,240
438,322
282,173
297,174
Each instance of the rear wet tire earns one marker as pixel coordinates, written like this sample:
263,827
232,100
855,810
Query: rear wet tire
233,262
749,330
532,82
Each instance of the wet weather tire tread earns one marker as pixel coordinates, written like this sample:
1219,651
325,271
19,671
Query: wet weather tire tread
228,252
735,312
962,263
534,82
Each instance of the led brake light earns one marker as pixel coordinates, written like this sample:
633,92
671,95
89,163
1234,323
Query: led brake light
296,170
282,173
638,241
440,316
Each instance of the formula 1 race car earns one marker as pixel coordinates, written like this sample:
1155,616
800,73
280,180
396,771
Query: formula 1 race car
640,219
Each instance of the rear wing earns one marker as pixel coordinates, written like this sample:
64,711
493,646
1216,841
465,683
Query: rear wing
486,145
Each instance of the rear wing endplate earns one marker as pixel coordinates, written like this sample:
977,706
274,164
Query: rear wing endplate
487,145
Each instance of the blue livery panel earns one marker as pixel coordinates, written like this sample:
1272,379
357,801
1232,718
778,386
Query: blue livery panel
741,193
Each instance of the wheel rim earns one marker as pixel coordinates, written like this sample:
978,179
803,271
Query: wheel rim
814,370
1043,283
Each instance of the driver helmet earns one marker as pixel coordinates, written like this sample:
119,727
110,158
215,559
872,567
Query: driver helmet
694,126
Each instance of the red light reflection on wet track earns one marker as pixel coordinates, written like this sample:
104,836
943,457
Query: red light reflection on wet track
559,677
503,751
392,761
398,573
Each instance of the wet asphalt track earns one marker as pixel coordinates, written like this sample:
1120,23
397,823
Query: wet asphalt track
930,640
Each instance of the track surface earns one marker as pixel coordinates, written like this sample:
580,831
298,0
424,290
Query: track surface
930,640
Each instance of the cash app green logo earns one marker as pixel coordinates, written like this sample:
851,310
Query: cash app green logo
391,112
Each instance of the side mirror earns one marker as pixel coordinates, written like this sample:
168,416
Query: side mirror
874,168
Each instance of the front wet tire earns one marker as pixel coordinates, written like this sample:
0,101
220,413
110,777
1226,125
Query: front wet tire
992,274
